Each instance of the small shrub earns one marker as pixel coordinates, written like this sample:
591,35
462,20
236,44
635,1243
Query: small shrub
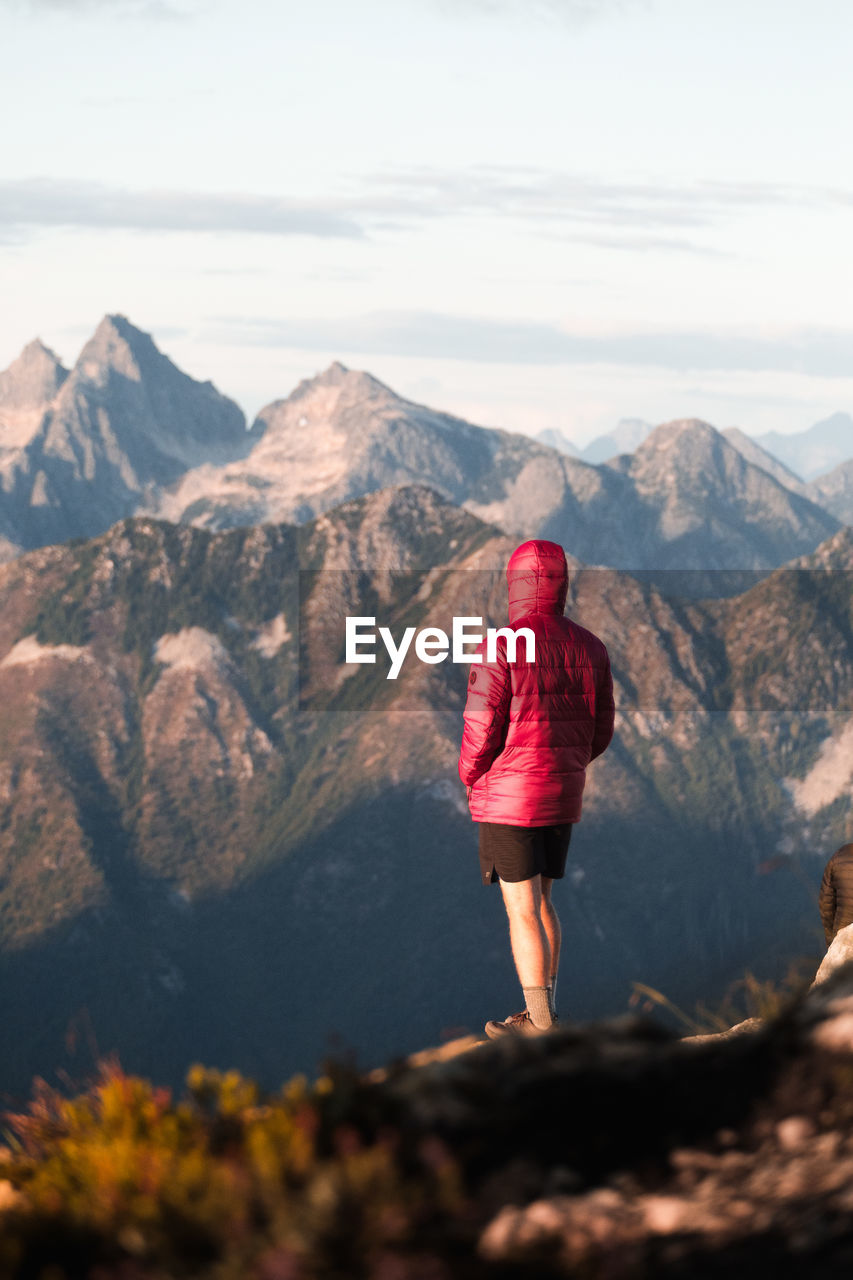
125,1181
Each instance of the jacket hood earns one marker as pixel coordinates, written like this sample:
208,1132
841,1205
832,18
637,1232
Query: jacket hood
538,579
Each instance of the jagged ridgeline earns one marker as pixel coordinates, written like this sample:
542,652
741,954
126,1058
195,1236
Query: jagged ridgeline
125,432
209,853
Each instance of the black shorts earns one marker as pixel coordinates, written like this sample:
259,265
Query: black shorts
520,853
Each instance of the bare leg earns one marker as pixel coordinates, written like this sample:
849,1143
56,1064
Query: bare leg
531,949
551,925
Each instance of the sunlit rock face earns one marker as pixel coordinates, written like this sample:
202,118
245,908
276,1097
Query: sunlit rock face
126,432
192,779
83,448
686,498
27,388
839,953
617,1151
834,491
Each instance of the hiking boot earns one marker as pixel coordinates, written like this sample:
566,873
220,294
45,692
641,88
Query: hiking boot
517,1024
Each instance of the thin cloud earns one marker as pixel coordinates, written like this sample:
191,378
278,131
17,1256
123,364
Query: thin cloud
156,10
643,215
640,243
640,216
551,196
46,202
574,12
409,334
817,353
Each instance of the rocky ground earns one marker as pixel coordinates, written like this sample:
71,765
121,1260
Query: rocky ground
605,1151
614,1151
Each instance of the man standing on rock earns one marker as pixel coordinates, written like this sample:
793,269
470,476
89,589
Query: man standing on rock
532,725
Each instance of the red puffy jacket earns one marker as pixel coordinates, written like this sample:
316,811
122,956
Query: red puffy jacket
532,728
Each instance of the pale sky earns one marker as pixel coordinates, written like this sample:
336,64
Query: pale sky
531,213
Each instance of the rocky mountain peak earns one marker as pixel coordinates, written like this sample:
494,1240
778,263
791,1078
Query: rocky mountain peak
692,480
171,406
813,452
835,553
767,461
119,346
834,491
352,386
26,389
556,439
125,419
681,431
624,438
33,378
683,450
339,400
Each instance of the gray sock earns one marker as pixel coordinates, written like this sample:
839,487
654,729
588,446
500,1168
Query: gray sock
552,995
538,1006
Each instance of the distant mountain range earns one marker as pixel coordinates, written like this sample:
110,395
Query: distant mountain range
798,457
220,843
125,432
834,491
753,452
794,459
813,452
555,439
82,449
684,499
627,435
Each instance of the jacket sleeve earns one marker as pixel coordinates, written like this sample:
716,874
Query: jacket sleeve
604,711
826,902
486,715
